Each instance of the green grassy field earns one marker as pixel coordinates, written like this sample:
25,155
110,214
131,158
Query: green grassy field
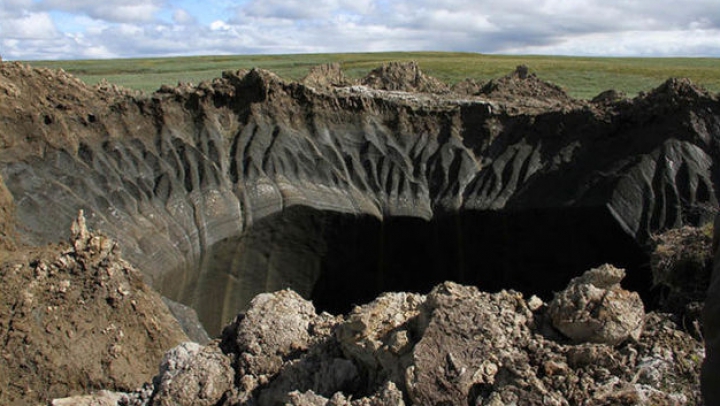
581,77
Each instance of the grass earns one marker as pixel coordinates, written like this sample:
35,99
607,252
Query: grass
581,77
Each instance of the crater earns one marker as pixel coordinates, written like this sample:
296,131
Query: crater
251,184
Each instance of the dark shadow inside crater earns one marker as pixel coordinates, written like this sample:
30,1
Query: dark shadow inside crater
340,260
534,252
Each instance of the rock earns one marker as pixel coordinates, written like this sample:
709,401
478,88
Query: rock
102,398
463,347
681,264
308,398
321,372
378,336
463,323
276,328
188,319
193,375
388,396
594,308
282,345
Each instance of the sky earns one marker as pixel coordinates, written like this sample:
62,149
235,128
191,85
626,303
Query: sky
92,29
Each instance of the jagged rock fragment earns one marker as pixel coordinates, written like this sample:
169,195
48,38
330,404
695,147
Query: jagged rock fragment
390,395
379,335
194,376
276,327
470,344
102,398
594,308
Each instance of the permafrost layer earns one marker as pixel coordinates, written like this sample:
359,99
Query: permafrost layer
249,184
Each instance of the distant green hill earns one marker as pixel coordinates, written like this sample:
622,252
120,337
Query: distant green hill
582,77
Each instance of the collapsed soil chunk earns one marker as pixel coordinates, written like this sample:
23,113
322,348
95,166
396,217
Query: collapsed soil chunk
594,308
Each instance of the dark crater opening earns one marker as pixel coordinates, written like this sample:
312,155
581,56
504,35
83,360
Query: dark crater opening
534,252
340,260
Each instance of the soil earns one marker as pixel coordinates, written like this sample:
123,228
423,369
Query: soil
76,318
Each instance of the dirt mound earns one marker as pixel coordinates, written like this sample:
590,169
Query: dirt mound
525,88
326,76
469,87
77,318
405,77
673,92
43,107
609,96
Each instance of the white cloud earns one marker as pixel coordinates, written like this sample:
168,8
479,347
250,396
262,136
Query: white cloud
181,16
179,27
124,11
296,10
32,26
634,43
220,26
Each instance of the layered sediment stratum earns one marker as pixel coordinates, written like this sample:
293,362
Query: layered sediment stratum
249,184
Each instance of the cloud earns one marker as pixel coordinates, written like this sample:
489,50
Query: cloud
295,10
121,11
698,42
31,26
181,16
130,28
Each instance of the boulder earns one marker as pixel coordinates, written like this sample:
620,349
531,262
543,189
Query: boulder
595,308
194,376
